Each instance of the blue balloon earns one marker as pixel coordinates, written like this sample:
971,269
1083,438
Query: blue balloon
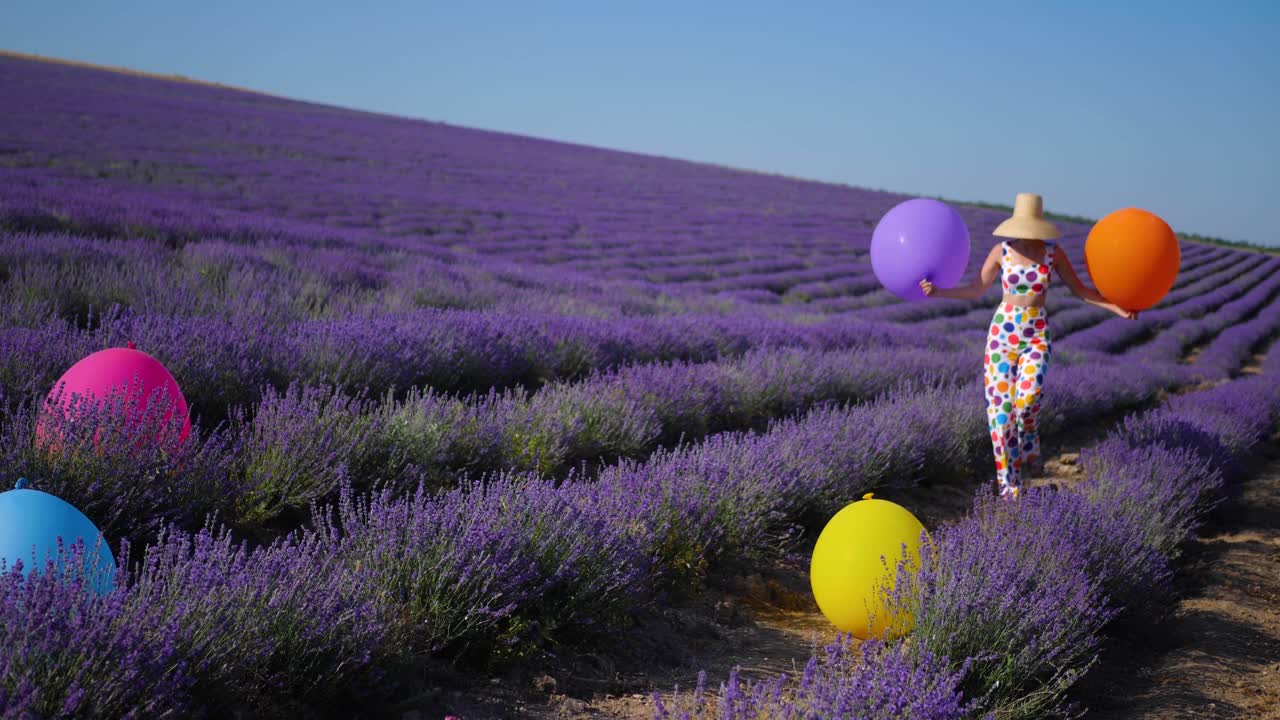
31,523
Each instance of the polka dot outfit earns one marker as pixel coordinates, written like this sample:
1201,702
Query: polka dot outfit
1017,353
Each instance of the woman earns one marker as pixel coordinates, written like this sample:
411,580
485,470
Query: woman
1018,344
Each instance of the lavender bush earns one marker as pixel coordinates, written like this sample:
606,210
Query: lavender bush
71,652
1167,489
283,626
119,462
493,568
202,626
1014,596
878,683
300,446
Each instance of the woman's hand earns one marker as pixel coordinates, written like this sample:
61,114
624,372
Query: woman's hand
927,287
1126,314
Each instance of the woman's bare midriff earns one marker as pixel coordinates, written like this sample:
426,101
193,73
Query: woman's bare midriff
1023,300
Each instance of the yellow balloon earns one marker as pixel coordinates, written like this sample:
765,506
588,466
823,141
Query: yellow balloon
847,571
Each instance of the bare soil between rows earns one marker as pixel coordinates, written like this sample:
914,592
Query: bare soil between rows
1217,652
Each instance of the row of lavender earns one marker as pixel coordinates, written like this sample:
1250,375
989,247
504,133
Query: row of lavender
316,273
489,569
1105,337
300,445
112,155
243,155
307,277
240,299
226,361
230,320
1010,604
467,281
301,442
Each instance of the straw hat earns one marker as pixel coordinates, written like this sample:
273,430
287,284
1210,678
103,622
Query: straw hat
1028,221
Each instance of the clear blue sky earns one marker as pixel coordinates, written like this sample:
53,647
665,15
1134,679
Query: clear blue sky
1171,106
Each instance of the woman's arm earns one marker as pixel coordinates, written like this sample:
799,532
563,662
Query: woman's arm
1063,265
989,272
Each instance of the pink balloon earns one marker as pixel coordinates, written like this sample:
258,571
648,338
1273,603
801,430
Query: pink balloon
99,375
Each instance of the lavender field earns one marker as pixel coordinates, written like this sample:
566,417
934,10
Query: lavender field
468,404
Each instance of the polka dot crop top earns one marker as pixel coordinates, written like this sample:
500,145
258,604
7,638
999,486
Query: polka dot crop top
1024,279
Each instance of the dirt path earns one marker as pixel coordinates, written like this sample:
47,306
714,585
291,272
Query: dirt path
1218,655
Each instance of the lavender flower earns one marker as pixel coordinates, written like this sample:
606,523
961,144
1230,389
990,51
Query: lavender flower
878,682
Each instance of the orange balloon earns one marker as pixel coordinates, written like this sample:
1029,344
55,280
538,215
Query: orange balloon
1132,256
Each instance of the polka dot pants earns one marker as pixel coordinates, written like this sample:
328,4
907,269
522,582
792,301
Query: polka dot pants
1017,352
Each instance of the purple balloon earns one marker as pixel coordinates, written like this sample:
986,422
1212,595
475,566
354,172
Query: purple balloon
916,240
